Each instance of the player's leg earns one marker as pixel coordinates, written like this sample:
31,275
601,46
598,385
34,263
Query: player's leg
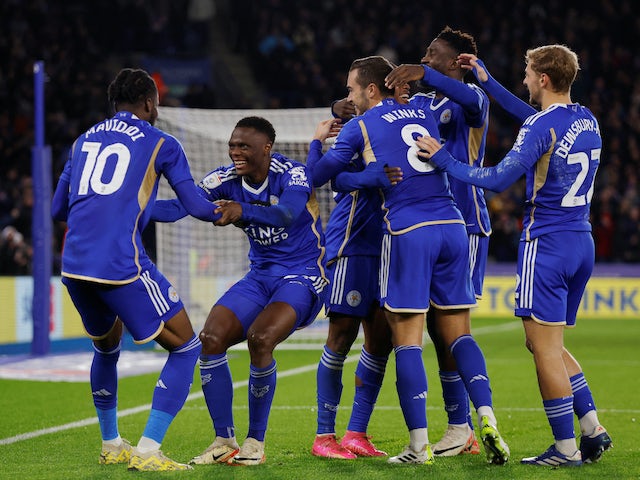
452,296
594,439
344,303
105,329
225,326
541,302
405,297
294,303
459,437
368,382
151,309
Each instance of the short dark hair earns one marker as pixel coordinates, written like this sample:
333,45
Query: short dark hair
374,70
259,124
460,41
131,86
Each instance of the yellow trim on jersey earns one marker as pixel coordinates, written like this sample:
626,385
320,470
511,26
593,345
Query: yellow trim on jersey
144,194
540,177
150,337
421,224
100,280
405,310
352,213
314,209
367,152
473,154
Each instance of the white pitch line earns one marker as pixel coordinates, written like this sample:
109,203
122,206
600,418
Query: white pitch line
243,383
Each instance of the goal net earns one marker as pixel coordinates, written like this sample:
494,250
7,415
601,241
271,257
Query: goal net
201,260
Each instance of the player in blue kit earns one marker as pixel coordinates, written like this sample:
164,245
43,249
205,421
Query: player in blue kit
106,195
462,113
558,151
594,440
353,239
425,234
270,197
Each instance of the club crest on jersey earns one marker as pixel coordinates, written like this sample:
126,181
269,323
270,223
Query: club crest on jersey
298,177
354,298
273,200
445,116
173,294
211,181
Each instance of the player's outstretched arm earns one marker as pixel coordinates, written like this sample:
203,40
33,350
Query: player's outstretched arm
517,108
374,175
496,178
168,211
290,206
194,203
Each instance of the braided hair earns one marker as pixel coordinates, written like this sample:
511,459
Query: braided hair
131,86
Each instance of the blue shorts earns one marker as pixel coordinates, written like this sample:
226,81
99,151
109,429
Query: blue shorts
248,297
553,271
143,305
478,252
354,285
427,265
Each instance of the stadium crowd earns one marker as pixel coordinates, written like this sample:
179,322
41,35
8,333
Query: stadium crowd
300,51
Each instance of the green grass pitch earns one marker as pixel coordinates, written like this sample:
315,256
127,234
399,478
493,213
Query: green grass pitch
606,348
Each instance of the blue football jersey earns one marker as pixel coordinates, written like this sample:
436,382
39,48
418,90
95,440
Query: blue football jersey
355,224
387,133
295,249
113,172
464,137
560,147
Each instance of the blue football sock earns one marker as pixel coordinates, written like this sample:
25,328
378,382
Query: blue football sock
370,371
582,398
176,377
329,385
172,388
473,370
157,425
411,384
104,388
217,386
456,399
262,387
560,415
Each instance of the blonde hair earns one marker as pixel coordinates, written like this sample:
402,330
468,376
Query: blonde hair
558,62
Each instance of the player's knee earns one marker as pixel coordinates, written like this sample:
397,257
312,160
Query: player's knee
260,342
212,342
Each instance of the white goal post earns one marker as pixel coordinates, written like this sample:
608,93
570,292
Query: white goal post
202,260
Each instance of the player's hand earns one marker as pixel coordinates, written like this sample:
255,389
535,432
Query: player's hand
229,210
404,74
327,128
343,109
469,61
394,174
428,147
